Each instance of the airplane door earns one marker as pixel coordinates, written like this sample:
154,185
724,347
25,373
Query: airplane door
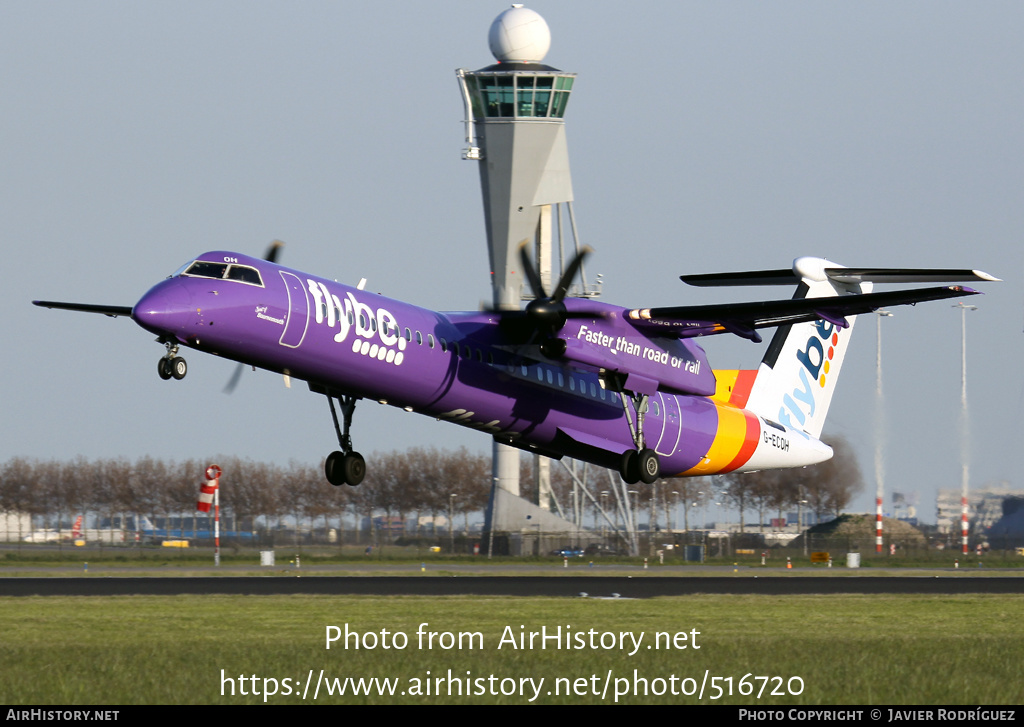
672,424
298,311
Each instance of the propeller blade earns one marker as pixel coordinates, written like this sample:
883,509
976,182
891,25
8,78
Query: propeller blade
271,257
532,277
235,378
271,254
570,274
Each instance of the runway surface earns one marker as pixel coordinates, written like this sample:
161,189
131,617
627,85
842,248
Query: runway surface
569,586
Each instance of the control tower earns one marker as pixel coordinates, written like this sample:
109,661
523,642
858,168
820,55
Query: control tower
515,130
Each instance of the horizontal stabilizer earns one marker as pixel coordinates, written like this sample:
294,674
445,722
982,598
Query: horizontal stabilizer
108,310
847,276
907,275
744,318
752,277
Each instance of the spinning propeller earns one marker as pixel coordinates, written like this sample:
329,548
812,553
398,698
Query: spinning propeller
546,314
271,257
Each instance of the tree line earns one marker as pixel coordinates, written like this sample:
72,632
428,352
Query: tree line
415,482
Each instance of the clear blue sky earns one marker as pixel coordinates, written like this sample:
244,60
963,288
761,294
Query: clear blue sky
703,137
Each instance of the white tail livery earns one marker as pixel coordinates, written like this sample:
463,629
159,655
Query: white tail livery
797,377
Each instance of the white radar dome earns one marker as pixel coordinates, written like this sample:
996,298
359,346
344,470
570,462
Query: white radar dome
519,35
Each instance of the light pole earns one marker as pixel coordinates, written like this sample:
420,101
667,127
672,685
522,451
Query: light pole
490,530
634,502
879,435
451,523
965,447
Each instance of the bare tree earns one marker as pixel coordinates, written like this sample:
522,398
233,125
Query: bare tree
831,485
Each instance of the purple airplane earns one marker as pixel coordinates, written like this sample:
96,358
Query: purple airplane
627,389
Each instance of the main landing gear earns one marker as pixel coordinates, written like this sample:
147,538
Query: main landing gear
640,464
345,467
171,365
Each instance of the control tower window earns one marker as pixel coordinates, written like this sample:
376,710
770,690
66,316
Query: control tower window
542,96
563,86
519,95
499,95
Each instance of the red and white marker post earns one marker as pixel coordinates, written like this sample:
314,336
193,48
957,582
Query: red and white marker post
209,493
878,524
963,523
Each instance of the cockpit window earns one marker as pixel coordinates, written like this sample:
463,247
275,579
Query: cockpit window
200,269
223,271
244,274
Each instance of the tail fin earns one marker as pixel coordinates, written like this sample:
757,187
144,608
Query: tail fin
76,529
797,377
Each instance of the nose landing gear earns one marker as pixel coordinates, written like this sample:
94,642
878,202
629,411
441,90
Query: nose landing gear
171,365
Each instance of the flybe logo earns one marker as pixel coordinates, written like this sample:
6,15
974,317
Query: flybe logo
815,362
376,330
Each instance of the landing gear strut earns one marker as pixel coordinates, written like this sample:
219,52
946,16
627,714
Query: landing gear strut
345,467
640,464
171,365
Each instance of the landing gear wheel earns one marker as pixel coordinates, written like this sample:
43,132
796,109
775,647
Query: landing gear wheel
354,467
163,367
178,368
629,467
345,469
334,470
648,466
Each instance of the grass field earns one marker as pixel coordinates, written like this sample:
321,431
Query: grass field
850,650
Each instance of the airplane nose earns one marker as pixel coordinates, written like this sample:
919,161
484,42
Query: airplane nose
166,309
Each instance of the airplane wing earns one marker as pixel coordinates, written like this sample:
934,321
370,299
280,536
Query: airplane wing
108,310
743,319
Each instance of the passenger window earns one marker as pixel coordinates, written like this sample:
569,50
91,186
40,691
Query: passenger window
430,340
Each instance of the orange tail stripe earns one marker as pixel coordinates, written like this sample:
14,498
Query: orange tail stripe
741,390
729,440
753,436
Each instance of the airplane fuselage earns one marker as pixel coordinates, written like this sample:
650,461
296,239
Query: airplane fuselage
461,367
